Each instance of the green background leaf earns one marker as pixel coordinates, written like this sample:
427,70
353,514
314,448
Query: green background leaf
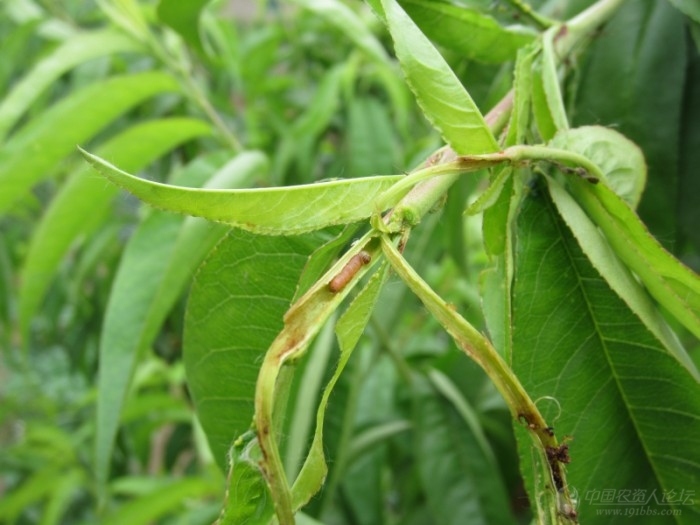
183,17
35,150
157,265
85,196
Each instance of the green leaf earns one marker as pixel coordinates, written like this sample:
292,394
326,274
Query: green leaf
158,262
307,388
461,483
616,389
233,314
671,283
300,139
247,497
33,489
466,31
522,98
183,17
347,21
349,329
689,7
36,150
442,97
371,139
275,211
620,159
550,80
86,196
544,119
74,51
161,501
617,276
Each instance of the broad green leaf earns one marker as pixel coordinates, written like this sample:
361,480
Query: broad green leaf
346,20
613,386
671,283
633,80
161,501
38,147
349,329
274,211
690,8
440,94
461,483
233,314
86,196
183,17
74,51
620,160
247,499
469,32
157,264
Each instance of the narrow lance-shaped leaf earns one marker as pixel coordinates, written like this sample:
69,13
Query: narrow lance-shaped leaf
74,51
346,20
276,211
87,196
36,150
440,94
302,322
349,329
478,348
550,80
157,264
671,283
615,273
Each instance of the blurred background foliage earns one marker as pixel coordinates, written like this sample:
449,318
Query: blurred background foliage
295,85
